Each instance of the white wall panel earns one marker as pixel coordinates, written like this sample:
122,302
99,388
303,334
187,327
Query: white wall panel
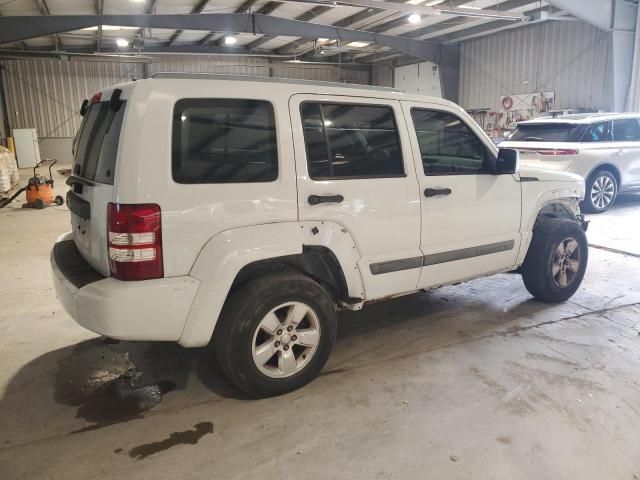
570,58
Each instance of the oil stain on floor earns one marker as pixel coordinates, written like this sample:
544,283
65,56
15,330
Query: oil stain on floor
187,437
104,384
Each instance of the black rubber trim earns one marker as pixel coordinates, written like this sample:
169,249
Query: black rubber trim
442,257
78,205
71,264
395,265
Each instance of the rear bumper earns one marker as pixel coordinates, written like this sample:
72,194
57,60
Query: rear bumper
138,310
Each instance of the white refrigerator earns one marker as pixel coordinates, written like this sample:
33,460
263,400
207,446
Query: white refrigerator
26,145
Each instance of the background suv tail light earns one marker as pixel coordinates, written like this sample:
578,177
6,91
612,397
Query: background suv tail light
557,151
134,241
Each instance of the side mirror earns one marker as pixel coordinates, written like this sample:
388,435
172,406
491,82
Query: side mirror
507,161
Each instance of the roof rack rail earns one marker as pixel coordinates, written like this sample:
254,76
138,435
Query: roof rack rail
251,78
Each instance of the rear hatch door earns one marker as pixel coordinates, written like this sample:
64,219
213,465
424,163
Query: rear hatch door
92,180
553,146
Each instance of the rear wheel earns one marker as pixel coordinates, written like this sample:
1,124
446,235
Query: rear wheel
275,334
601,192
58,200
39,203
556,261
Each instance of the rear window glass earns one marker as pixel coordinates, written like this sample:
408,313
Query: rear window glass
548,132
97,144
224,141
351,141
627,130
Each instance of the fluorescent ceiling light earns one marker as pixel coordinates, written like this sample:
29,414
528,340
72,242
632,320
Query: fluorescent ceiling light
470,7
414,18
229,40
481,14
414,2
358,44
106,28
122,42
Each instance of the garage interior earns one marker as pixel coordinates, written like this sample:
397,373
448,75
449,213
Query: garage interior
476,380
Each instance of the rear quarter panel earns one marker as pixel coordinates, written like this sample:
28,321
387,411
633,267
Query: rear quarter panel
194,213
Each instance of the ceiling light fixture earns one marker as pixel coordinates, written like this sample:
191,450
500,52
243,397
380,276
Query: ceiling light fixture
122,42
357,44
482,14
106,28
229,40
414,18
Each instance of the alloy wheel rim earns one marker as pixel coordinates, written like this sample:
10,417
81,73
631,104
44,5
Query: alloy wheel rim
286,340
566,262
602,192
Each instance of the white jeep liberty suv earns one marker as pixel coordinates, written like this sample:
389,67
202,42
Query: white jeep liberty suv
248,210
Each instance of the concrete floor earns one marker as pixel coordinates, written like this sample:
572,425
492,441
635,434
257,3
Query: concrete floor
473,381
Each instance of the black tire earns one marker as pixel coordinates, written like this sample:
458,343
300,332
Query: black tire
58,200
39,204
234,334
537,269
594,184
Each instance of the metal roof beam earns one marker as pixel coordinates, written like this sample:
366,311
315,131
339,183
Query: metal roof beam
44,10
16,28
345,22
483,29
99,11
305,17
196,9
596,12
244,8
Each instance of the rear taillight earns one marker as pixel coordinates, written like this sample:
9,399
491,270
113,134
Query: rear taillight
556,151
96,98
135,241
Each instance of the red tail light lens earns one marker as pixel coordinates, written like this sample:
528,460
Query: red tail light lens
557,151
96,98
134,241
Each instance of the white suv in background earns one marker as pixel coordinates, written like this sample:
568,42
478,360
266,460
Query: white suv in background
603,148
247,211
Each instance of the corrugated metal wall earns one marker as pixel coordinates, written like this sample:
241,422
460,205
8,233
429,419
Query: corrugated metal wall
633,102
47,93
567,57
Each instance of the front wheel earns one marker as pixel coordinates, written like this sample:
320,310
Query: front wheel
556,261
601,192
275,334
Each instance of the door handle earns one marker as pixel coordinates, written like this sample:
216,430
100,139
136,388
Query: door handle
316,199
433,192
620,152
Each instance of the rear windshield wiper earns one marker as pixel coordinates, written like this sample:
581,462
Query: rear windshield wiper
534,139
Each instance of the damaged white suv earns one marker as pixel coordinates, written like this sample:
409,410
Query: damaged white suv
248,210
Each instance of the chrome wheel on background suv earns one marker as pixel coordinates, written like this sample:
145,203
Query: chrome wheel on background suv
602,189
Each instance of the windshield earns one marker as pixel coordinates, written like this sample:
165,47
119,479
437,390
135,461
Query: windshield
97,143
547,132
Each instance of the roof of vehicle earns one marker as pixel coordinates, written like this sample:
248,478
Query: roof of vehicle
308,86
580,118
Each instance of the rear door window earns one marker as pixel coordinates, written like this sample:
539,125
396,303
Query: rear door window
97,145
547,132
627,130
598,132
224,141
351,141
